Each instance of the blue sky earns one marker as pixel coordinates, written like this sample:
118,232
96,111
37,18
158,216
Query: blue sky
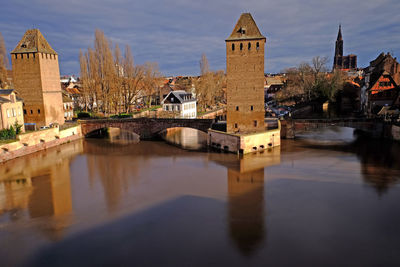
175,33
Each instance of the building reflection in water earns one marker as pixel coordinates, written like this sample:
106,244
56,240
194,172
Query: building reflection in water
246,196
186,138
39,185
380,162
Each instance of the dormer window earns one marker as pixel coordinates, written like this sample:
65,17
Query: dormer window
242,30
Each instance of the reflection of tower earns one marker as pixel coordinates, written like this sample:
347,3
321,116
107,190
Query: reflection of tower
51,192
51,196
246,208
246,198
40,184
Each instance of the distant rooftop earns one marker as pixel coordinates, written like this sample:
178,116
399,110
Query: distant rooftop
33,41
245,29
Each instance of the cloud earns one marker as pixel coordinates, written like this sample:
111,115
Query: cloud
175,33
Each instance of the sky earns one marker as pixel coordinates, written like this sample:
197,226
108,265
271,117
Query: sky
175,33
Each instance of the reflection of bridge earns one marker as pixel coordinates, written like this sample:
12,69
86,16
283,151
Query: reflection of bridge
293,126
144,127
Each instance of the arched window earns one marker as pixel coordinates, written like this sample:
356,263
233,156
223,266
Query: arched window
249,46
258,45
241,46
233,47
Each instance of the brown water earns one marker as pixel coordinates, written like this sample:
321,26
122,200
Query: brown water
326,198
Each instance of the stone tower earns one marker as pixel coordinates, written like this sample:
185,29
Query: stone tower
37,79
338,59
245,77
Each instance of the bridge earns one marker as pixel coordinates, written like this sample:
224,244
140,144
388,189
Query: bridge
292,126
146,128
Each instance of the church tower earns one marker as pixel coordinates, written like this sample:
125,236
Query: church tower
37,79
338,59
245,77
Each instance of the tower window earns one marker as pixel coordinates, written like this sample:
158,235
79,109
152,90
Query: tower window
31,111
38,111
235,125
34,55
15,56
255,123
241,46
24,111
257,45
248,46
27,55
251,108
22,56
237,108
233,47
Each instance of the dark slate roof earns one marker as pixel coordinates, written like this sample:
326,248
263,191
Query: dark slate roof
4,100
180,97
33,41
245,29
6,91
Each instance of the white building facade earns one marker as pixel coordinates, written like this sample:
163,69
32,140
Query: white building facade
181,103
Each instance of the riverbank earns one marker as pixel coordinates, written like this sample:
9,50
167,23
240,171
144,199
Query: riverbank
32,142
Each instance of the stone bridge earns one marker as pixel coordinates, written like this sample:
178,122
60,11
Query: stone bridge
146,128
290,127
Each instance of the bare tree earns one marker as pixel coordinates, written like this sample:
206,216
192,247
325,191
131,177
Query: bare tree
85,81
204,67
307,82
209,86
151,81
111,82
133,79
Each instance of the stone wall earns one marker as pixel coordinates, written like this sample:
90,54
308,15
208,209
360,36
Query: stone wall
35,141
37,81
244,143
245,85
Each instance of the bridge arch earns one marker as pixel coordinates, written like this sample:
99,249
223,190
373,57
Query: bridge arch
145,127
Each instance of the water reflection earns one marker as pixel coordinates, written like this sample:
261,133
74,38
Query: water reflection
379,161
246,196
122,137
39,186
186,138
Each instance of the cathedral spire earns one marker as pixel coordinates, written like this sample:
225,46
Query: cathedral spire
339,36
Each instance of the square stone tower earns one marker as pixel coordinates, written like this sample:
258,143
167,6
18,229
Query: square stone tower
245,77
37,79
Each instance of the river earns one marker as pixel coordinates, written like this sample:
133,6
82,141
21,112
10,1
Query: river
328,197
